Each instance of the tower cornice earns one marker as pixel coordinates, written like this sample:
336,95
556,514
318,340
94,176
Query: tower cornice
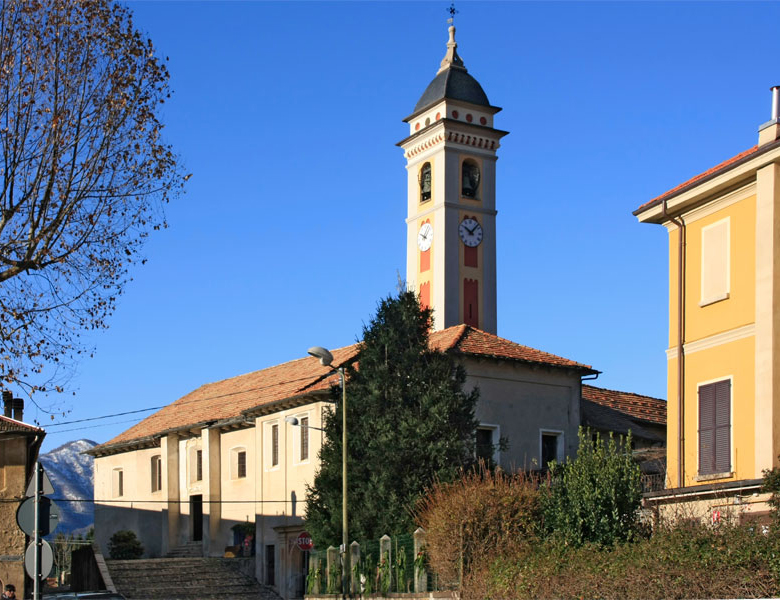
451,131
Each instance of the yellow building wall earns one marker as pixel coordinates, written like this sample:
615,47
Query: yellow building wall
726,359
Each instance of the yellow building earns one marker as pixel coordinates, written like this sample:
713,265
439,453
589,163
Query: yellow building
723,425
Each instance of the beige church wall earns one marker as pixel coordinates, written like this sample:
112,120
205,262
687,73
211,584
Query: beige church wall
138,509
524,401
237,492
282,492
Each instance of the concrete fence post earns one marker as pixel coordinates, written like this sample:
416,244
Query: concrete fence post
315,564
420,573
334,566
386,567
354,560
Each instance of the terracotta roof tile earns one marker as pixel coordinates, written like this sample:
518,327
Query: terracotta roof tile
8,424
228,398
468,340
693,180
637,406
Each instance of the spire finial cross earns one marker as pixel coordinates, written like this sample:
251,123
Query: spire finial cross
453,11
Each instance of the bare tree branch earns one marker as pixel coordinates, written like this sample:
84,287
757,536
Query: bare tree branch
84,174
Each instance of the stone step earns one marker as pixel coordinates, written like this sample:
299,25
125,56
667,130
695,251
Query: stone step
185,579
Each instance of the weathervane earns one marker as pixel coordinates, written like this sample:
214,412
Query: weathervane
452,12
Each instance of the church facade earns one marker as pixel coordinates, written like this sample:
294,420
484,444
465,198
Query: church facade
236,455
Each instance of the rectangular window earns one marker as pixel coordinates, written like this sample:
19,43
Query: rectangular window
156,474
549,449
715,264
715,428
118,483
485,445
199,465
304,438
241,464
274,445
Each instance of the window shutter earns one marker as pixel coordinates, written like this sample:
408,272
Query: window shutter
706,429
715,428
722,426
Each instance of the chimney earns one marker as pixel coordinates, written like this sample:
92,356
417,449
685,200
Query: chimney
7,403
18,405
770,131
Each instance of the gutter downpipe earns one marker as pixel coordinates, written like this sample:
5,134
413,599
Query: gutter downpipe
680,340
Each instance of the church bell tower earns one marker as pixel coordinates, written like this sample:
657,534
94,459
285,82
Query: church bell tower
451,217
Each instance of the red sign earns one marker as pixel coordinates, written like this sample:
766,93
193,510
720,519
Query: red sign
304,541
715,516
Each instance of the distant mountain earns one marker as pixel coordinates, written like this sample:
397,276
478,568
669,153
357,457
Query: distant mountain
71,475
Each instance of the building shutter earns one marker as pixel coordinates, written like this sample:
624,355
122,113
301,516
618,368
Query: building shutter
723,426
715,428
706,429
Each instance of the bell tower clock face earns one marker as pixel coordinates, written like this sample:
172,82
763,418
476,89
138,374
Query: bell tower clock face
470,232
425,237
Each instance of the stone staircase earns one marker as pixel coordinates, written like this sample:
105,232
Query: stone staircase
185,579
187,550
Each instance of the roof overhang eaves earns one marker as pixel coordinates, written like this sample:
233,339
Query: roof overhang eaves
693,491
484,129
731,176
284,403
150,441
584,369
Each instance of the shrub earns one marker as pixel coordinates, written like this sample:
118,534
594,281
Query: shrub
771,485
473,516
124,545
596,497
687,561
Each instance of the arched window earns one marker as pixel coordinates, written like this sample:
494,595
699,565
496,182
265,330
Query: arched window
470,179
424,177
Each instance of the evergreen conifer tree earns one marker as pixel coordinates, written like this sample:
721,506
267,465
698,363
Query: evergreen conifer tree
409,422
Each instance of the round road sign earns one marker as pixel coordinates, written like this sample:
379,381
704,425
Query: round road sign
47,559
304,541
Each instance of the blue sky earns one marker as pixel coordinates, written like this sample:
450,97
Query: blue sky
292,227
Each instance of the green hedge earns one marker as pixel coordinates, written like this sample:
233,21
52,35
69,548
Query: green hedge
689,561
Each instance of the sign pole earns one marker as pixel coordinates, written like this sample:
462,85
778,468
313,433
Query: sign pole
36,533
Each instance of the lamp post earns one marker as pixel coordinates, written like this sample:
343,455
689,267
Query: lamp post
326,358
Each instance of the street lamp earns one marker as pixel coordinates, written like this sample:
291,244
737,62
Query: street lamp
326,358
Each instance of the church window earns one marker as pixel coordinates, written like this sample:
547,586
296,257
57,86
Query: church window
470,177
118,483
274,445
241,459
156,468
304,455
199,465
425,182
238,462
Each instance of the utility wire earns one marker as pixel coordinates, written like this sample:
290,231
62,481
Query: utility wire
210,398
162,501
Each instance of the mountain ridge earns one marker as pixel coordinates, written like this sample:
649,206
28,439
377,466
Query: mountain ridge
71,473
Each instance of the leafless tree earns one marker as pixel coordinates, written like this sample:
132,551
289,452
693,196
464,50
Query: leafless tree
84,176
